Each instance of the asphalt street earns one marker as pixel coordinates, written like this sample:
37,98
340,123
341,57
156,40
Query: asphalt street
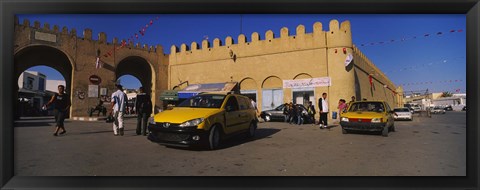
424,147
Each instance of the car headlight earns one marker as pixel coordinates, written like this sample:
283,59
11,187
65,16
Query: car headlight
376,120
191,123
151,121
345,119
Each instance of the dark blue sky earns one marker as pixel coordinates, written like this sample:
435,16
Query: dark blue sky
435,58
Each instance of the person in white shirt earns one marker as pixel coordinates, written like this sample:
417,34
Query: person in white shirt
119,103
323,107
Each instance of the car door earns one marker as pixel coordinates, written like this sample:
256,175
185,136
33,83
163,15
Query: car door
389,114
233,119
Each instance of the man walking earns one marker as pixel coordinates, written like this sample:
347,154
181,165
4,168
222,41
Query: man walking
62,103
143,107
119,102
323,110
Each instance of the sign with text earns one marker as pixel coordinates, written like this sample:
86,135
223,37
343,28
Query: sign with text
94,79
307,83
93,91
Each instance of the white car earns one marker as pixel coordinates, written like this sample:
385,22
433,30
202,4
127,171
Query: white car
438,110
402,114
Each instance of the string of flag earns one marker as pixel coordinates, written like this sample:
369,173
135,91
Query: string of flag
141,32
456,90
425,65
427,35
432,82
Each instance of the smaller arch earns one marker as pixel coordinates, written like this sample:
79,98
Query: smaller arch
302,76
248,84
272,82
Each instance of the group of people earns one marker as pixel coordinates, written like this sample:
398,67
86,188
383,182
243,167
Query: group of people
143,106
295,113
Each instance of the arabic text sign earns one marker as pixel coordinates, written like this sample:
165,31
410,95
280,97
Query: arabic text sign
306,83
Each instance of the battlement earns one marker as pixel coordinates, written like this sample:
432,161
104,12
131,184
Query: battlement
375,71
339,35
87,35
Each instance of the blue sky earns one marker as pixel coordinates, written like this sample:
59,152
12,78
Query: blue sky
423,62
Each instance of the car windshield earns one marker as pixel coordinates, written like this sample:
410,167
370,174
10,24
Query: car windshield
204,101
401,110
366,107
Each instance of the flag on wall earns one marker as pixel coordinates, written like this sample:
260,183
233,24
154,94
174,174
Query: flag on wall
348,59
98,63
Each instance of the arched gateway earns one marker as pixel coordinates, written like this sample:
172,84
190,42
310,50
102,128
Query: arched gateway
75,58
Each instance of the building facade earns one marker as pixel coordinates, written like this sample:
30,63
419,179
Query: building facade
274,69
289,68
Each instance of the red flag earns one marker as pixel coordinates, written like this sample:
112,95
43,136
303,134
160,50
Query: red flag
151,22
460,30
371,80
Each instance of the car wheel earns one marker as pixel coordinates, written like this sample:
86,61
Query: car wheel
267,118
214,138
344,131
251,130
385,131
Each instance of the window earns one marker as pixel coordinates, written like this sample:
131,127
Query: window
232,103
41,84
29,83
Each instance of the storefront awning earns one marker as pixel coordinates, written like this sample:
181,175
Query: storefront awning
194,89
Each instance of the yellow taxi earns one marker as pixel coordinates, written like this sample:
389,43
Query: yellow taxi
205,120
368,116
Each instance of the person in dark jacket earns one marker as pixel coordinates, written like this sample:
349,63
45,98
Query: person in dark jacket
143,107
286,108
62,103
299,116
311,112
292,113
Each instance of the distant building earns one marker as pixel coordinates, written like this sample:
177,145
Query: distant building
32,94
52,85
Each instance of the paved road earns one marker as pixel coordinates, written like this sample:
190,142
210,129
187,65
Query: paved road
425,147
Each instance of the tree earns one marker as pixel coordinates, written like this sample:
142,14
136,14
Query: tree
446,94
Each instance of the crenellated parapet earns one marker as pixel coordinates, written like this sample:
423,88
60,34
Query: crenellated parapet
339,36
371,69
87,35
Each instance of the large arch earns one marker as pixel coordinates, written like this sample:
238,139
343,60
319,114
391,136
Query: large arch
139,68
37,55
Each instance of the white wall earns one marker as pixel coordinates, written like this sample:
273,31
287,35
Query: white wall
52,85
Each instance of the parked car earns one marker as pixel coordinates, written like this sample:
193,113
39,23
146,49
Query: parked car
368,116
448,108
204,120
277,113
402,114
416,109
438,110
274,114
